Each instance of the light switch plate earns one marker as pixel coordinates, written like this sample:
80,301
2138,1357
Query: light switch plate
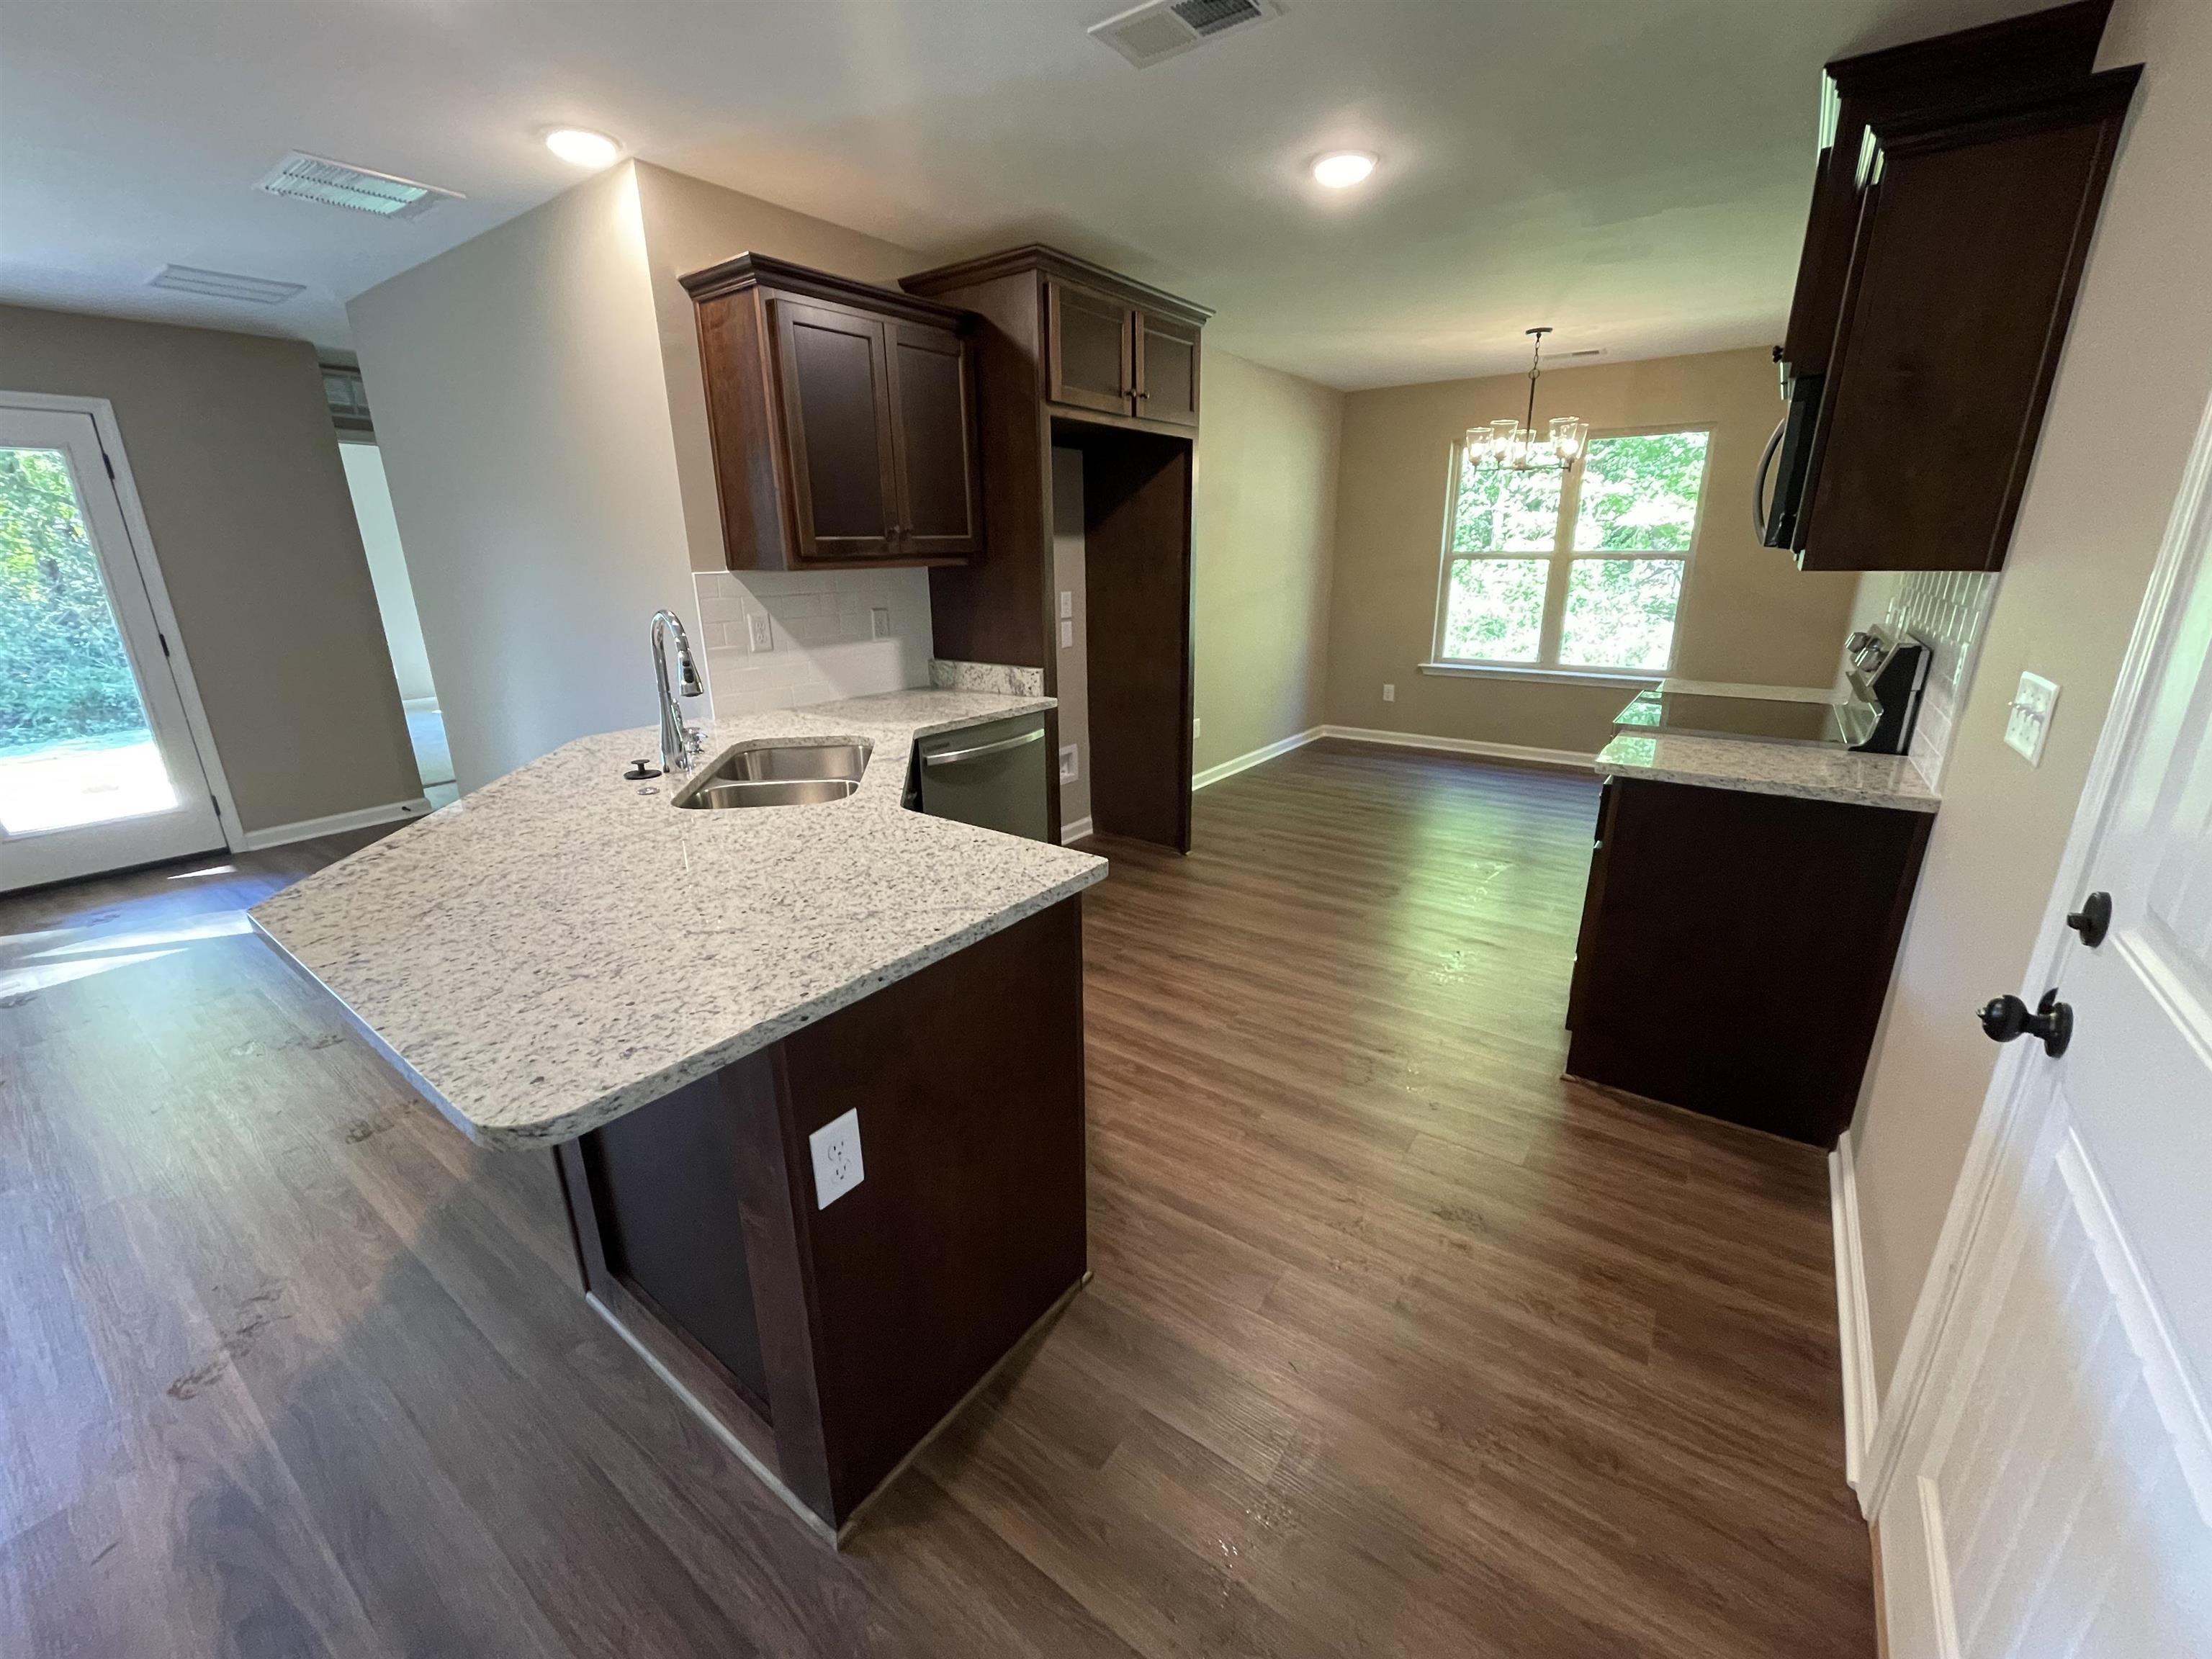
1066,603
1066,634
879,622
1197,726
762,632
1068,765
836,1149
1389,692
2028,722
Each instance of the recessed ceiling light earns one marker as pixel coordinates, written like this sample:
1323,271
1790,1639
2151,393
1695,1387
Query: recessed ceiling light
1343,167
582,146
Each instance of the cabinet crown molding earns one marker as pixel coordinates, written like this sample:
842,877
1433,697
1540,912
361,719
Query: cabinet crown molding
751,270
1052,261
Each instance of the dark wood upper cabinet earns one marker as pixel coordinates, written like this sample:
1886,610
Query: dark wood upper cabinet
835,375
1951,217
1970,246
1167,369
1111,347
1090,347
2043,52
842,417
932,428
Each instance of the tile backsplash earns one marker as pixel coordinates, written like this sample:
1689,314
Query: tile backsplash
832,634
1949,609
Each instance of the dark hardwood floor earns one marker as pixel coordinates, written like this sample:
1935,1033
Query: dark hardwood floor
1397,1344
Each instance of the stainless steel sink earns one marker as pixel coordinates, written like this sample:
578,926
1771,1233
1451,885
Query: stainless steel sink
804,774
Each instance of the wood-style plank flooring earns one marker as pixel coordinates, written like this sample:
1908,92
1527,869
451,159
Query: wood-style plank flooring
1397,1344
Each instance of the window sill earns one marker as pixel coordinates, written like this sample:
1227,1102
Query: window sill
1483,671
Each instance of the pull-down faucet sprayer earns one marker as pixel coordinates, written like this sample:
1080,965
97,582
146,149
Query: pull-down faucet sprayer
679,744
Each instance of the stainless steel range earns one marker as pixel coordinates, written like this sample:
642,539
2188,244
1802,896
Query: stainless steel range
1886,676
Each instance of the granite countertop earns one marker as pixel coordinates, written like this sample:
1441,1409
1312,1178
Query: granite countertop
559,948
1809,771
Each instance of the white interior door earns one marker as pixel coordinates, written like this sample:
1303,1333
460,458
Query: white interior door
97,768
2054,1495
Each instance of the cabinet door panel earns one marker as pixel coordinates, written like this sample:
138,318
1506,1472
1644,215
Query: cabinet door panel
934,434
836,381
1167,371
1091,345
1961,282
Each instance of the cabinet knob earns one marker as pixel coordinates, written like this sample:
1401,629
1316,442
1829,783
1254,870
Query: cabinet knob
2052,1022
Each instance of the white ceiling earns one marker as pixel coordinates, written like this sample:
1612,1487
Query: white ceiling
1633,172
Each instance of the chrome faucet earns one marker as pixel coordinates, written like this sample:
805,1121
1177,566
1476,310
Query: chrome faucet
679,744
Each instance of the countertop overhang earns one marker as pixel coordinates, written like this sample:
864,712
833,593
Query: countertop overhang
559,947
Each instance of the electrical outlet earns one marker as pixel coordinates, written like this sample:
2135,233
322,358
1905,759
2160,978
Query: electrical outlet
879,622
2028,722
1389,692
1066,635
762,632
1068,770
1067,603
836,1149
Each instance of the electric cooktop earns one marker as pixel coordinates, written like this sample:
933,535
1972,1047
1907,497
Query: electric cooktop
1764,719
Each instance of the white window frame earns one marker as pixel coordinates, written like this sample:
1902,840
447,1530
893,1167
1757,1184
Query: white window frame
1561,557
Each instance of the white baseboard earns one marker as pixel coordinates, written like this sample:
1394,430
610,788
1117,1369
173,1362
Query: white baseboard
1567,758
281,834
1074,829
1230,768
1862,1400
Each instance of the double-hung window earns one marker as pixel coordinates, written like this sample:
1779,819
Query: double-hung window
1576,570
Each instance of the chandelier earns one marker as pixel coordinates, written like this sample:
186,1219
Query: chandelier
1515,445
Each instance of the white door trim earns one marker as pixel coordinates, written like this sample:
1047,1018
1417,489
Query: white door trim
1975,1199
148,564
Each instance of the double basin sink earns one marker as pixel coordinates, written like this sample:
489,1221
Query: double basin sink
803,773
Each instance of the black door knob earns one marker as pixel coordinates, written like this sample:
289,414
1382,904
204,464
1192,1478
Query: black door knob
2052,1022
2094,920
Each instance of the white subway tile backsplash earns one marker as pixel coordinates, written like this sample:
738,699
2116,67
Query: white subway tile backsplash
825,645
1949,609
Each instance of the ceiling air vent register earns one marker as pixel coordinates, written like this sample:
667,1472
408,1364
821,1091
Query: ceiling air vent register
1153,32
224,285
337,183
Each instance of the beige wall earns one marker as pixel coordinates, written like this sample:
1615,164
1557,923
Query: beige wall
690,224
1266,523
522,410
231,447
2131,392
1747,613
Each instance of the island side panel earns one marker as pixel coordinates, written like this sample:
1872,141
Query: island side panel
970,1223
746,1092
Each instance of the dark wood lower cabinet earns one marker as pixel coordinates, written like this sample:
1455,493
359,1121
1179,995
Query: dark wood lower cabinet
828,1343
1735,950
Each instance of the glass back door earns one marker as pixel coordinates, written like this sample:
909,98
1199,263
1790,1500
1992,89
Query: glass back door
98,767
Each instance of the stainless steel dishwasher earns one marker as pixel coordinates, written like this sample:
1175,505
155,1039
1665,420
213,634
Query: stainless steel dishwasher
993,775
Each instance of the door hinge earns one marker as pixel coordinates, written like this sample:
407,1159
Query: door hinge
164,638
109,464
217,805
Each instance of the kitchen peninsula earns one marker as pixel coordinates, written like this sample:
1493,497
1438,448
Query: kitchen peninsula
813,1074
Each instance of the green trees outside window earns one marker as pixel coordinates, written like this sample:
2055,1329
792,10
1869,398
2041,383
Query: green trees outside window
1632,502
64,677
